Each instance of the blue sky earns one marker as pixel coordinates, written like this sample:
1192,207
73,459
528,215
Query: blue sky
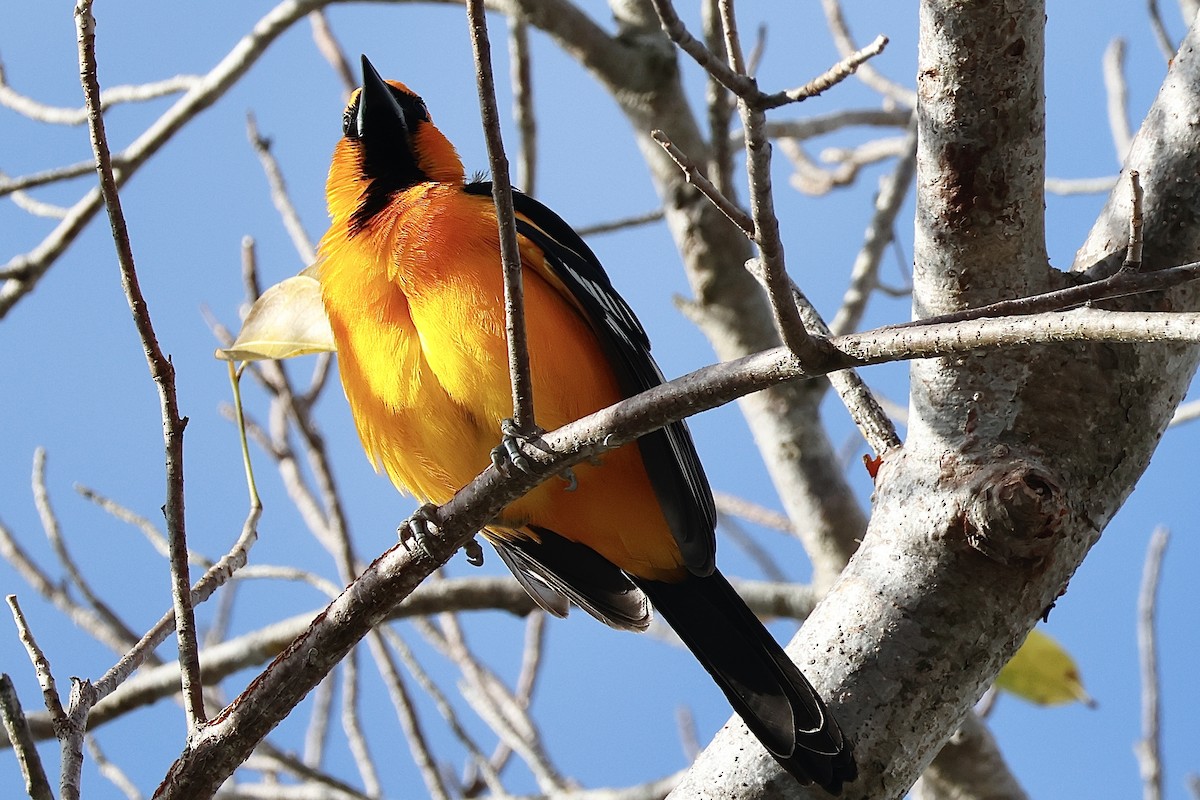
75,382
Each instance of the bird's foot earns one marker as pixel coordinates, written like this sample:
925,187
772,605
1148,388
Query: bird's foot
418,528
510,453
474,553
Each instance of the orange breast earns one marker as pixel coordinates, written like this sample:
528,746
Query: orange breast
416,305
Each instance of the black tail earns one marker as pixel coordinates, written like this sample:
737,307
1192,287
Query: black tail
763,685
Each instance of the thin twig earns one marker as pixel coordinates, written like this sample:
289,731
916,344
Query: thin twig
719,105
356,739
685,724
153,535
316,736
82,698
115,775
213,578
1125,283
21,274
41,664
757,554
379,640
734,78
732,41
1117,92
1076,186
37,786
1149,749
38,208
864,276
1186,413
35,179
279,193
521,75
1165,45
53,115
56,593
118,630
621,224
328,47
161,370
828,79
740,85
695,176
1133,251
514,295
874,424
326,786
733,506
897,93
497,706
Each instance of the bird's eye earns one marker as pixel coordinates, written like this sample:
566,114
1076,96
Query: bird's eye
349,119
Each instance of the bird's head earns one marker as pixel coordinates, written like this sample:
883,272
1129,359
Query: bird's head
389,144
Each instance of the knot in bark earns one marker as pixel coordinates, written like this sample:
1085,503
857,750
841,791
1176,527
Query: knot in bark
1014,512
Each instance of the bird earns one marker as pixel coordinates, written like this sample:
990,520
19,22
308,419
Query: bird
411,280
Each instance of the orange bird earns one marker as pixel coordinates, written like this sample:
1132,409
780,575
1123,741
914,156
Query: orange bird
411,279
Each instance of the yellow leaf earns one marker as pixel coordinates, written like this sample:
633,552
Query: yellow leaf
287,320
1043,672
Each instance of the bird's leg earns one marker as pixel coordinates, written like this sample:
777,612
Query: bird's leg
419,527
510,453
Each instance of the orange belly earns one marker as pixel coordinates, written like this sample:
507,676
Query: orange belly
423,360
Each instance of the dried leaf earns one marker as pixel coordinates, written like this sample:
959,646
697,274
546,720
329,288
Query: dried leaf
287,320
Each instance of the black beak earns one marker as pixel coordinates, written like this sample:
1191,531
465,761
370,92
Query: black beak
380,116
384,124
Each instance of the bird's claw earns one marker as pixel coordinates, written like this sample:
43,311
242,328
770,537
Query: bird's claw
418,528
474,553
509,452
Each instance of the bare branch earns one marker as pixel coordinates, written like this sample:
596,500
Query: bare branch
41,665
828,79
22,273
514,295
695,176
842,38
1073,186
864,276
521,76
329,48
434,782
1165,45
111,771
279,193
9,185
752,512
317,734
17,728
118,630
621,224
28,107
1117,93
1149,749
970,765
356,739
161,370
1133,251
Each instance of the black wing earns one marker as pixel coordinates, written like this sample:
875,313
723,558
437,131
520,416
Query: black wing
669,454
